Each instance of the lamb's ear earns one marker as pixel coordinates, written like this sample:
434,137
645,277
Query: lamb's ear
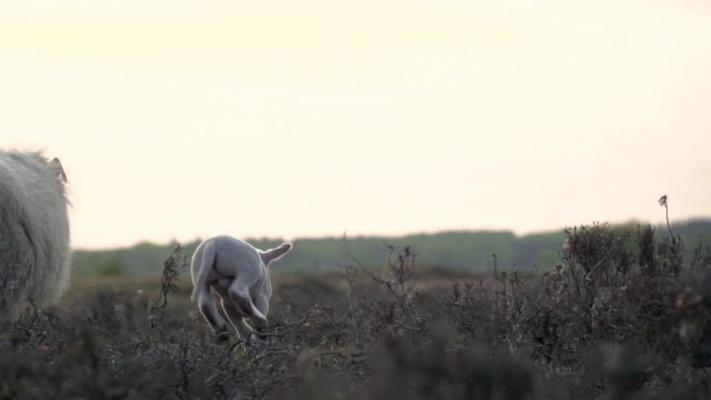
56,166
276,253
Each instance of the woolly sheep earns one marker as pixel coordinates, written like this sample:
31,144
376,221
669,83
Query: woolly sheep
239,274
34,232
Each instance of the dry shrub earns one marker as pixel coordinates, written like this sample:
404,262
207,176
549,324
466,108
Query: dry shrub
625,289
622,316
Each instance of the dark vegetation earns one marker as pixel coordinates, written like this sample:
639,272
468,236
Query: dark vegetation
623,314
461,251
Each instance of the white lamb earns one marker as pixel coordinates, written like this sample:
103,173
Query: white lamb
34,232
239,274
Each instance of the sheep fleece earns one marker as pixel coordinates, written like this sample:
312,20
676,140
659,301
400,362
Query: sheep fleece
34,233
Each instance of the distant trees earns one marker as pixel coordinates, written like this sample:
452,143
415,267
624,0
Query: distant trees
464,251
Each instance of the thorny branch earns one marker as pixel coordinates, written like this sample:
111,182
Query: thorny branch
401,265
171,272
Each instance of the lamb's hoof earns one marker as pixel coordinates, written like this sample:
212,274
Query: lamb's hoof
260,330
222,336
254,341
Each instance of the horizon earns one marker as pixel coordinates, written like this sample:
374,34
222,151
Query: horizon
179,119
518,235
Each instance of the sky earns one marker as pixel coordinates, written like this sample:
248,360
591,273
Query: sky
183,119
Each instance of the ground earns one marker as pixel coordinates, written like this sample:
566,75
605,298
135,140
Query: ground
619,317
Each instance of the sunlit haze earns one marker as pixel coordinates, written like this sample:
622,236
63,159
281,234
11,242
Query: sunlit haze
182,119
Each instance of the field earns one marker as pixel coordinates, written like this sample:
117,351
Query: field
623,315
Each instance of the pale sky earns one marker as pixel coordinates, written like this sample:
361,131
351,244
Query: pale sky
178,119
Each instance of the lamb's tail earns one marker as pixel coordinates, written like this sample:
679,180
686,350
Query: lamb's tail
204,261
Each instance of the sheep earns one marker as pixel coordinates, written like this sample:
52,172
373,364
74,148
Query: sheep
239,274
34,232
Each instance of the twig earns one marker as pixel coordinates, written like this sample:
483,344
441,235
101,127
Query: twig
401,270
356,356
351,272
663,201
238,343
293,326
171,271
269,353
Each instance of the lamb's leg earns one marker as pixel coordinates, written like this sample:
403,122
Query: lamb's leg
240,297
201,267
236,320
209,311
261,302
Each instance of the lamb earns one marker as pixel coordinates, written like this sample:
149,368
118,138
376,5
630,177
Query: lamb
34,232
239,274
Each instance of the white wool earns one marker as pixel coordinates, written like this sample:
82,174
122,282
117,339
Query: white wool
238,273
34,232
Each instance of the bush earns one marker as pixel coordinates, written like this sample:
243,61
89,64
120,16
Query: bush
612,292
622,316
111,268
